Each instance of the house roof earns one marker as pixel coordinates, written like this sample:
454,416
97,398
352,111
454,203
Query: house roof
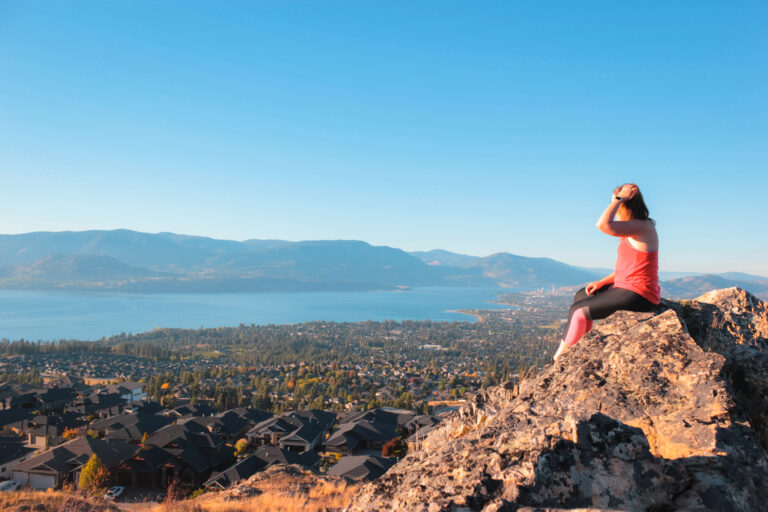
64,420
240,471
146,406
361,467
12,449
420,434
279,424
272,454
131,426
193,410
186,442
14,415
326,419
252,415
229,423
75,453
56,395
132,386
397,417
149,460
350,434
307,433
184,435
421,421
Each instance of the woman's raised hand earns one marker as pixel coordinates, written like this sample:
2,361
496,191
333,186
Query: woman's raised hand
627,192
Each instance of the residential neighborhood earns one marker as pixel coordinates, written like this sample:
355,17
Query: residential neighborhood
205,409
47,441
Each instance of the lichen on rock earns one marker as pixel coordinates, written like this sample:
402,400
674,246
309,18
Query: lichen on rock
649,411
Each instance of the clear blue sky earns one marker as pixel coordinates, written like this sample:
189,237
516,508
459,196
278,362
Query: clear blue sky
476,127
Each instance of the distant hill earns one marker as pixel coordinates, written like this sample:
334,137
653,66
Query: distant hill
125,260
693,286
505,270
445,258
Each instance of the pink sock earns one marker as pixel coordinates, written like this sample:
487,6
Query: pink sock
579,327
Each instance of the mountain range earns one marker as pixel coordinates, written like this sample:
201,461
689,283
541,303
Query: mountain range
123,260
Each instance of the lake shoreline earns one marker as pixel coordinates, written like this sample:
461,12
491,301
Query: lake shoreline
51,316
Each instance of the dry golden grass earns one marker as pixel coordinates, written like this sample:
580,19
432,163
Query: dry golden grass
50,502
280,489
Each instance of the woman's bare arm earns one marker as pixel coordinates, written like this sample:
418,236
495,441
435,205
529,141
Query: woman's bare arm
592,287
609,226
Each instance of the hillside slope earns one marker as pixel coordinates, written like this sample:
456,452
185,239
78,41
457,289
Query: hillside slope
650,411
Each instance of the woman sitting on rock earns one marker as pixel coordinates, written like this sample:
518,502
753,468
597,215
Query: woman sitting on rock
634,284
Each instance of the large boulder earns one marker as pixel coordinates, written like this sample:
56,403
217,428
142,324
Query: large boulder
652,411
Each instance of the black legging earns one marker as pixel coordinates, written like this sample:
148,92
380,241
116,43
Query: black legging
605,301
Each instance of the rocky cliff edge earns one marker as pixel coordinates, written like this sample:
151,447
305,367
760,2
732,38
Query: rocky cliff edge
649,412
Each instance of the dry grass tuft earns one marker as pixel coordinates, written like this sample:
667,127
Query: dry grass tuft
278,489
50,502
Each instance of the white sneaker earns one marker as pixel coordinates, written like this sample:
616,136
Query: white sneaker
560,350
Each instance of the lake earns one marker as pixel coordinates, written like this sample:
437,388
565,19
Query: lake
36,315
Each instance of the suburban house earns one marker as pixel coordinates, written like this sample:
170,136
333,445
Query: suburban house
14,395
234,423
272,430
12,452
416,439
128,391
186,411
367,431
361,467
186,452
360,436
326,419
53,399
146,406
46,431
130,427
304,438
63,463
419,422
98,405
14,420
243,470
259,460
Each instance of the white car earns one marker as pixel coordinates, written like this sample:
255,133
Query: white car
9,485
114,492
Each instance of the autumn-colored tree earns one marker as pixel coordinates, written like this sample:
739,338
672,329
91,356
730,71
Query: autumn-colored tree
94,475
69,433
394,448
240,446
144,438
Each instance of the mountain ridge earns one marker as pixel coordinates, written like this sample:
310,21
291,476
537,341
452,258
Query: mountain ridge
170,262
179,263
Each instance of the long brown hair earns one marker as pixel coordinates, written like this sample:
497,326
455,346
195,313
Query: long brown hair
635,208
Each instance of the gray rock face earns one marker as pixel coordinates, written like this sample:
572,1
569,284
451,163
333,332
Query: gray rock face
653,411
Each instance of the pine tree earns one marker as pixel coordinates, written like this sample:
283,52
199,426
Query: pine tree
94,475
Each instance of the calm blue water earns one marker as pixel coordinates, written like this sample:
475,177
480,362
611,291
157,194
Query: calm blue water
56,315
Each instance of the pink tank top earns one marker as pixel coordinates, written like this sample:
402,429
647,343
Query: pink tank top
638,271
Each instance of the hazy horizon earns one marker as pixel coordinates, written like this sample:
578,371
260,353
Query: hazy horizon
595,267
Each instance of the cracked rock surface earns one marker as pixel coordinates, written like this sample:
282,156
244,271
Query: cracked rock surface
656,411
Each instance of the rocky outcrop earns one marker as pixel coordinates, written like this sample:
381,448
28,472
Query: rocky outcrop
653,411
